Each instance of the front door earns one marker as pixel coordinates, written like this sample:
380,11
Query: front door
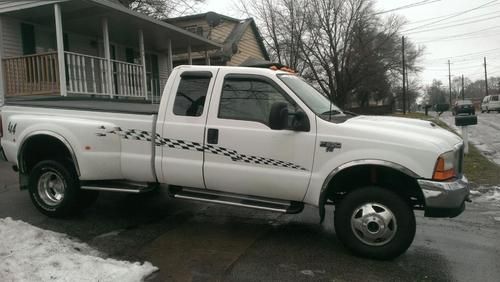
243,154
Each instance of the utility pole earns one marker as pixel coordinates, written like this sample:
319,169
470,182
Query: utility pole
407,89
404,74
486,76
463,88
449,79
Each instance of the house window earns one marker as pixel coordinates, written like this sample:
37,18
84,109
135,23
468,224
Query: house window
28,38
195,29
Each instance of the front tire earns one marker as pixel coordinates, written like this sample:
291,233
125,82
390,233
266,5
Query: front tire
374,222
54,188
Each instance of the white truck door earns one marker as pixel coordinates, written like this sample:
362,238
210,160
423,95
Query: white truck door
184,128
243,154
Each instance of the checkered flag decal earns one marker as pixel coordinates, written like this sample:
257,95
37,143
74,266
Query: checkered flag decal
140,135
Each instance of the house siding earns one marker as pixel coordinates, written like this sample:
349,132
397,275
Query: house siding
218,34
222,31
248,47
45,40
11,41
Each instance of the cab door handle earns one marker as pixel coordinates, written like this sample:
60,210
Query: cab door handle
213,136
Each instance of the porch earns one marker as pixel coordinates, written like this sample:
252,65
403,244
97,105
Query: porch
103,49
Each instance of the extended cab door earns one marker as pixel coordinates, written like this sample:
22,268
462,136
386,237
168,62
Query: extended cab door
182,134
244,155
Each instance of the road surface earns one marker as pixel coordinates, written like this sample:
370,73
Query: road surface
204,242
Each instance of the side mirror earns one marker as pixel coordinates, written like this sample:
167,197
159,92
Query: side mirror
300,122
278,118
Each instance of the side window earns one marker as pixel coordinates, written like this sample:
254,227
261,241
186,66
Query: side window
494,98
190,97
250,99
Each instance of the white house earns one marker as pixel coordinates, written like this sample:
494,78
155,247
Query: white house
87,47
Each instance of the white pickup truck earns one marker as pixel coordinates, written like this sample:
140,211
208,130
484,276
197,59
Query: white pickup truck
248,137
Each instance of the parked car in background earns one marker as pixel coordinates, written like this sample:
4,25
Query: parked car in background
491,103
463,107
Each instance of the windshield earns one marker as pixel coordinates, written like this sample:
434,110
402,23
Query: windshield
318,103
464,102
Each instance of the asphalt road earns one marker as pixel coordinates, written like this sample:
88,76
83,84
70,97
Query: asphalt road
202,242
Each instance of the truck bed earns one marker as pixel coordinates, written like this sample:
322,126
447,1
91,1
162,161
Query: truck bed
87,104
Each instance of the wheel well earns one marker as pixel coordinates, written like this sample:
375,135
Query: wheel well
356,177
42,147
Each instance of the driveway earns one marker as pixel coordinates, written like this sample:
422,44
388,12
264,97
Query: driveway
200,242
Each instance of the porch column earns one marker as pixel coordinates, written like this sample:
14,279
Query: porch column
107,55
2,77
190,55
207,58
60,50
143,62
170,64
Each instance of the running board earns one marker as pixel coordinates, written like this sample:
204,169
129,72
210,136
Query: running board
246,201
118,186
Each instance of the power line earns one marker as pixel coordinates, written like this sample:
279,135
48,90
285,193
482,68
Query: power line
468,54
444,16
450,26
452,16
461,36
426,2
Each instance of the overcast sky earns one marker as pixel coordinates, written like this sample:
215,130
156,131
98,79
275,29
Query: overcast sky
462,31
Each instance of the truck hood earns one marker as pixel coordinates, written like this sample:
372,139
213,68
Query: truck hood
411,132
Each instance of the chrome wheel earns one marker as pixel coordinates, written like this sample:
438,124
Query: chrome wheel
374,224
51,188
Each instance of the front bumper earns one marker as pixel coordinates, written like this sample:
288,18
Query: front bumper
444,199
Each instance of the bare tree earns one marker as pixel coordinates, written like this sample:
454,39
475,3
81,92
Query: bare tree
341,46
161,9
282,23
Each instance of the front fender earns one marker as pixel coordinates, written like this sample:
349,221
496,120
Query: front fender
351,164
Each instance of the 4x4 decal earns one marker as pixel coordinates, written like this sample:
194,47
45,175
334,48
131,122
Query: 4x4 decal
330,146
140,135
11,128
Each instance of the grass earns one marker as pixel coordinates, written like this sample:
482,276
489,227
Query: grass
478,169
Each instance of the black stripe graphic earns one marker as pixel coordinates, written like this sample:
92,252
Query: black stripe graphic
139,135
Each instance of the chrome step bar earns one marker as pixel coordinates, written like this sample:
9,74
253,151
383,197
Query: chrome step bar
118,186
245,201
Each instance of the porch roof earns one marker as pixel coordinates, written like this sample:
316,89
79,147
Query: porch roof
84,17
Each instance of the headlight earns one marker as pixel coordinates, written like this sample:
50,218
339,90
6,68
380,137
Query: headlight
445,167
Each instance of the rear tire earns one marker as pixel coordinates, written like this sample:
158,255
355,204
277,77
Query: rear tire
374,222
54,188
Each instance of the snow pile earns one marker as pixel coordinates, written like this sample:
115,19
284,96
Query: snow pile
28,253
491,195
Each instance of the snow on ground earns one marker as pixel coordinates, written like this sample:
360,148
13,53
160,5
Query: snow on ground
28,253
485,135
489,195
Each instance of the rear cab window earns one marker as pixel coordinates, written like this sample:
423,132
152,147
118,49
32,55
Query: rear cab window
191,93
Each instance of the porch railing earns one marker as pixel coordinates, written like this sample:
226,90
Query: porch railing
31,75
88,75
85,75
